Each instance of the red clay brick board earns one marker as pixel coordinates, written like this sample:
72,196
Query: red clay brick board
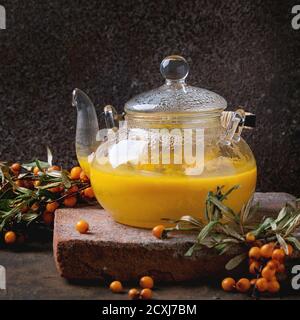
112,250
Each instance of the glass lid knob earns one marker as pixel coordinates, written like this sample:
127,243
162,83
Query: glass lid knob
174,68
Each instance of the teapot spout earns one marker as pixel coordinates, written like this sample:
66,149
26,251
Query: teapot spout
87,127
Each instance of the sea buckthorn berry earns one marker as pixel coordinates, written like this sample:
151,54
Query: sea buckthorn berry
254,267
146,294
158,231
290,250
36,171
258,243
134,294
116,287
254,253
36,183
83,177
281,268
54,168
48,217
15,167
73,189
54,189
250,237
82,226
266,250
273,286
28,184
261,285
89,193
24,209
268,273
19,183
146,282
253,282
75,173
243,285
52,206
273,264
228,284
35,206
10,237
70,202
278,254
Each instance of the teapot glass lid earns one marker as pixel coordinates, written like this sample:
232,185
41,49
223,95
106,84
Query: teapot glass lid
175,96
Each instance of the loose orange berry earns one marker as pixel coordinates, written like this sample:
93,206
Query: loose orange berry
158,231
254,267
54,168
243,285
254,253
36,171
48,217
267,273
52,206
89,193
70,202
261,284
266,251
146,282
10,237
146,294
281,268
75,173
83,177
278,254
133,294
82,226
228,284
116,287
273,286
250,237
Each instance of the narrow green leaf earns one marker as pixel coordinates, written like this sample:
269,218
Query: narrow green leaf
282,243
294,241
50,185
236,261
224,196
49,156
205,231
65,179
191,250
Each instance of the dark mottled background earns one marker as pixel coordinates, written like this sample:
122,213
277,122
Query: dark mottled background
245,50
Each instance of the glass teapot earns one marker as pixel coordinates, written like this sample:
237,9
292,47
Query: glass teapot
171,146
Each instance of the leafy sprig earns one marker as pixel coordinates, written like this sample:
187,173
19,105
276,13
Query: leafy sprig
25,194
225,229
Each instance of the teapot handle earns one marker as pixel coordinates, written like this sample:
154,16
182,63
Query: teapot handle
234,122
112,117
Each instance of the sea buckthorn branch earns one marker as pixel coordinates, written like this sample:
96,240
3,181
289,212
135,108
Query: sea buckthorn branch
225,229
31,192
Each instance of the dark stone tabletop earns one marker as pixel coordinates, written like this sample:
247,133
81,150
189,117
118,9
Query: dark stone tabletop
246,51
